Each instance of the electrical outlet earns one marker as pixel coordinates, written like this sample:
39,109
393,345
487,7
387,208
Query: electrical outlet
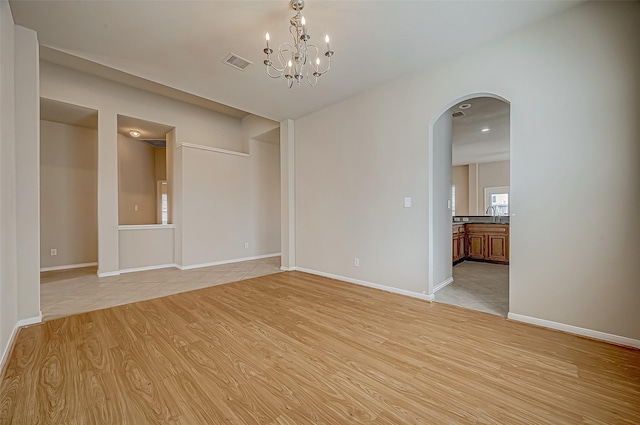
135,208
54,252
465,219
246,245
356,262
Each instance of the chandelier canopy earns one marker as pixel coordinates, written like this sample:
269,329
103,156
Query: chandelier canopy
299,59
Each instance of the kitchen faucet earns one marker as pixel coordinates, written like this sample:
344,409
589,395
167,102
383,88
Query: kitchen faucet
494,212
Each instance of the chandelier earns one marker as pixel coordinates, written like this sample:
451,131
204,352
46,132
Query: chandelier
300,58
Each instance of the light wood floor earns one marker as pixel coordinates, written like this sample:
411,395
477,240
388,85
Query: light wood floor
293,348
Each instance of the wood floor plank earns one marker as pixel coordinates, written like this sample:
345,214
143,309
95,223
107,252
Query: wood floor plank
293,348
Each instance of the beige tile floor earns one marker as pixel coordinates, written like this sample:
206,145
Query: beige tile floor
67,292
478,286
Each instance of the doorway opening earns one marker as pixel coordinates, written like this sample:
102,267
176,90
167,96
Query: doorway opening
471,154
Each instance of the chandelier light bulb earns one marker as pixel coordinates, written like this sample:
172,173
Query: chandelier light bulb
299,54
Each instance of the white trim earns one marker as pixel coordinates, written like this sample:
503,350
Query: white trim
615,339
145,268
211,149
108,274
12,337
218,263
68,266
8,348
146,226
287,269
426,297
30,321
442,284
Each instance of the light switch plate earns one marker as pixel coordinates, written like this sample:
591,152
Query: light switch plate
407,202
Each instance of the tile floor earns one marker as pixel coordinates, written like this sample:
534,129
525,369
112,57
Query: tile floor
67,292
478,286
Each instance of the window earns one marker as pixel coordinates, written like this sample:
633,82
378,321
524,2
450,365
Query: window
453,200
163,202
496,201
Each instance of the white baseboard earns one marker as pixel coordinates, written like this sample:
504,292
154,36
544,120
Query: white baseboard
108,274
603,336
426,297
235,260
29,321
145,268
7,349
12,338
441,285
68,266
287,269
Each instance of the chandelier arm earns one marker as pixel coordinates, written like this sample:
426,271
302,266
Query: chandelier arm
279,72
297,59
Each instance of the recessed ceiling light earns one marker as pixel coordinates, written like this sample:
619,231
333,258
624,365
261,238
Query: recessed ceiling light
134,133
484,130
465,106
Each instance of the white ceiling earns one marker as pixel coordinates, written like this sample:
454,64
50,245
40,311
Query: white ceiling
469,143
148,129
181,44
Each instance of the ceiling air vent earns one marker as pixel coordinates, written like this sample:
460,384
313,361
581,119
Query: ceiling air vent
236,61
156,143
457,114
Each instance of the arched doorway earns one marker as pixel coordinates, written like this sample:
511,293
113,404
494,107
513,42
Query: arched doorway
470,139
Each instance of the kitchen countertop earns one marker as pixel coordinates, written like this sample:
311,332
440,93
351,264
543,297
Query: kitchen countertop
478,222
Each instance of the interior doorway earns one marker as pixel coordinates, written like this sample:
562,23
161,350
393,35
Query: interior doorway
474,132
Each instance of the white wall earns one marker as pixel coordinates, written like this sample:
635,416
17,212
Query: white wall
460,178
27,131
8,258
574,93
145,247
491,174
230,200
212,231
68,194
472,179
440,210
19,275
351,178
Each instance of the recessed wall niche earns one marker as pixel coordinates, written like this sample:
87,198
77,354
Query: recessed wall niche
68,185
144,177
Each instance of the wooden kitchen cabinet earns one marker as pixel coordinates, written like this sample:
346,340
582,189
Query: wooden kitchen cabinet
498,248
458,243
462,243
488,242
476,245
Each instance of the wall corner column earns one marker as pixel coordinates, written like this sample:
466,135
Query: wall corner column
287,195
108,256
27,128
